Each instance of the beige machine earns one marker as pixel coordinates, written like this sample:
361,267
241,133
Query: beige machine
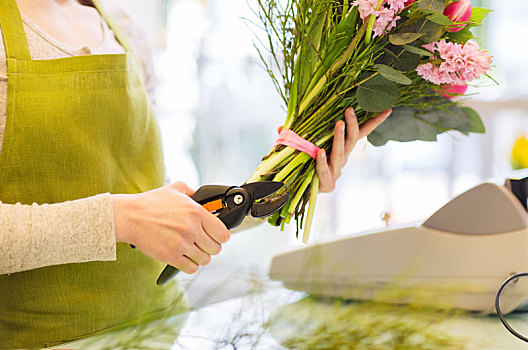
458,257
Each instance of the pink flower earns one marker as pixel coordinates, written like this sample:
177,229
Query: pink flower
386,15
458,12
458,65
396,5
457,89
385,21
429,47
366,7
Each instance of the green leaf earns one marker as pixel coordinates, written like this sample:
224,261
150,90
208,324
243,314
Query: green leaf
462,36
292,102
439,18
450,118
477,15
408,61
431,31
403,126
397,57
404,38
389,56
407,124
392,74
309,53
417,50
476,122
434,5
377,94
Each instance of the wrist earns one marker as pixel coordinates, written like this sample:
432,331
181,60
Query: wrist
123,211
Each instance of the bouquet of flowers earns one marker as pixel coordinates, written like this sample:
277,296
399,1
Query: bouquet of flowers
413,56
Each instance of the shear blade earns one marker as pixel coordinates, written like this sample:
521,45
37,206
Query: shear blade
266,208
259,190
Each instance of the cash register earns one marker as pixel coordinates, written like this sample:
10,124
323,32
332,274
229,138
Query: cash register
458,257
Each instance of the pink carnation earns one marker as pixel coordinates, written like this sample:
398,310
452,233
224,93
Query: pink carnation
460,63
386,16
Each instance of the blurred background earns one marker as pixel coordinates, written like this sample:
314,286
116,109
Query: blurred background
219,113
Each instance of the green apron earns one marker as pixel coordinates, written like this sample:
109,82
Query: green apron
77,127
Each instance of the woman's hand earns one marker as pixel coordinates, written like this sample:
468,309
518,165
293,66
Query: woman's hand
329,170
168,225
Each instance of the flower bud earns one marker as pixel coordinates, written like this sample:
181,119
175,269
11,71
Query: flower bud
408,2
455,89
458,12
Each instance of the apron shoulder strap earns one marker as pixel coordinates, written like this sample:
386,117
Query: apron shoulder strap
15,41
120,36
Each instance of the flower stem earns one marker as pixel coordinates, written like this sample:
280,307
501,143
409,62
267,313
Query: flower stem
297,161
322,140
372,20
298,195
313,92
311,208
271,163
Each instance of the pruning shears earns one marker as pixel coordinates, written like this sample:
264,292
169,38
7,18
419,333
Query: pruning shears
231,204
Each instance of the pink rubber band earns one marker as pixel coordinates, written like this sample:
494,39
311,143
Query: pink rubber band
291,139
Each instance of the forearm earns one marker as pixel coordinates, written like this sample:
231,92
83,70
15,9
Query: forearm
33,236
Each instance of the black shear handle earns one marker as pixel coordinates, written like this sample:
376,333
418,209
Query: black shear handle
230,218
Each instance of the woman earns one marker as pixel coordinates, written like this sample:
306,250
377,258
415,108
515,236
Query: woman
78,133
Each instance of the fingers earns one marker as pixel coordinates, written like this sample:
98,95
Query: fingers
326,180
215,228
197,255
185,264
373,123
352,131
208,245
343,145
337,157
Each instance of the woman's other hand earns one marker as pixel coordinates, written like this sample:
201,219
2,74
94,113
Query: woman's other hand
329,170
168,225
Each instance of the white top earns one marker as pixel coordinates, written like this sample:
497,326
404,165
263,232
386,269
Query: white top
33,236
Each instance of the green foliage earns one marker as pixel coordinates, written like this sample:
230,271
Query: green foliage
392,74
403,125
377,94
431,31
404,38
409,124
439,18
407,61
475,121
462,36
417,50
434,5
478,14
447,118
